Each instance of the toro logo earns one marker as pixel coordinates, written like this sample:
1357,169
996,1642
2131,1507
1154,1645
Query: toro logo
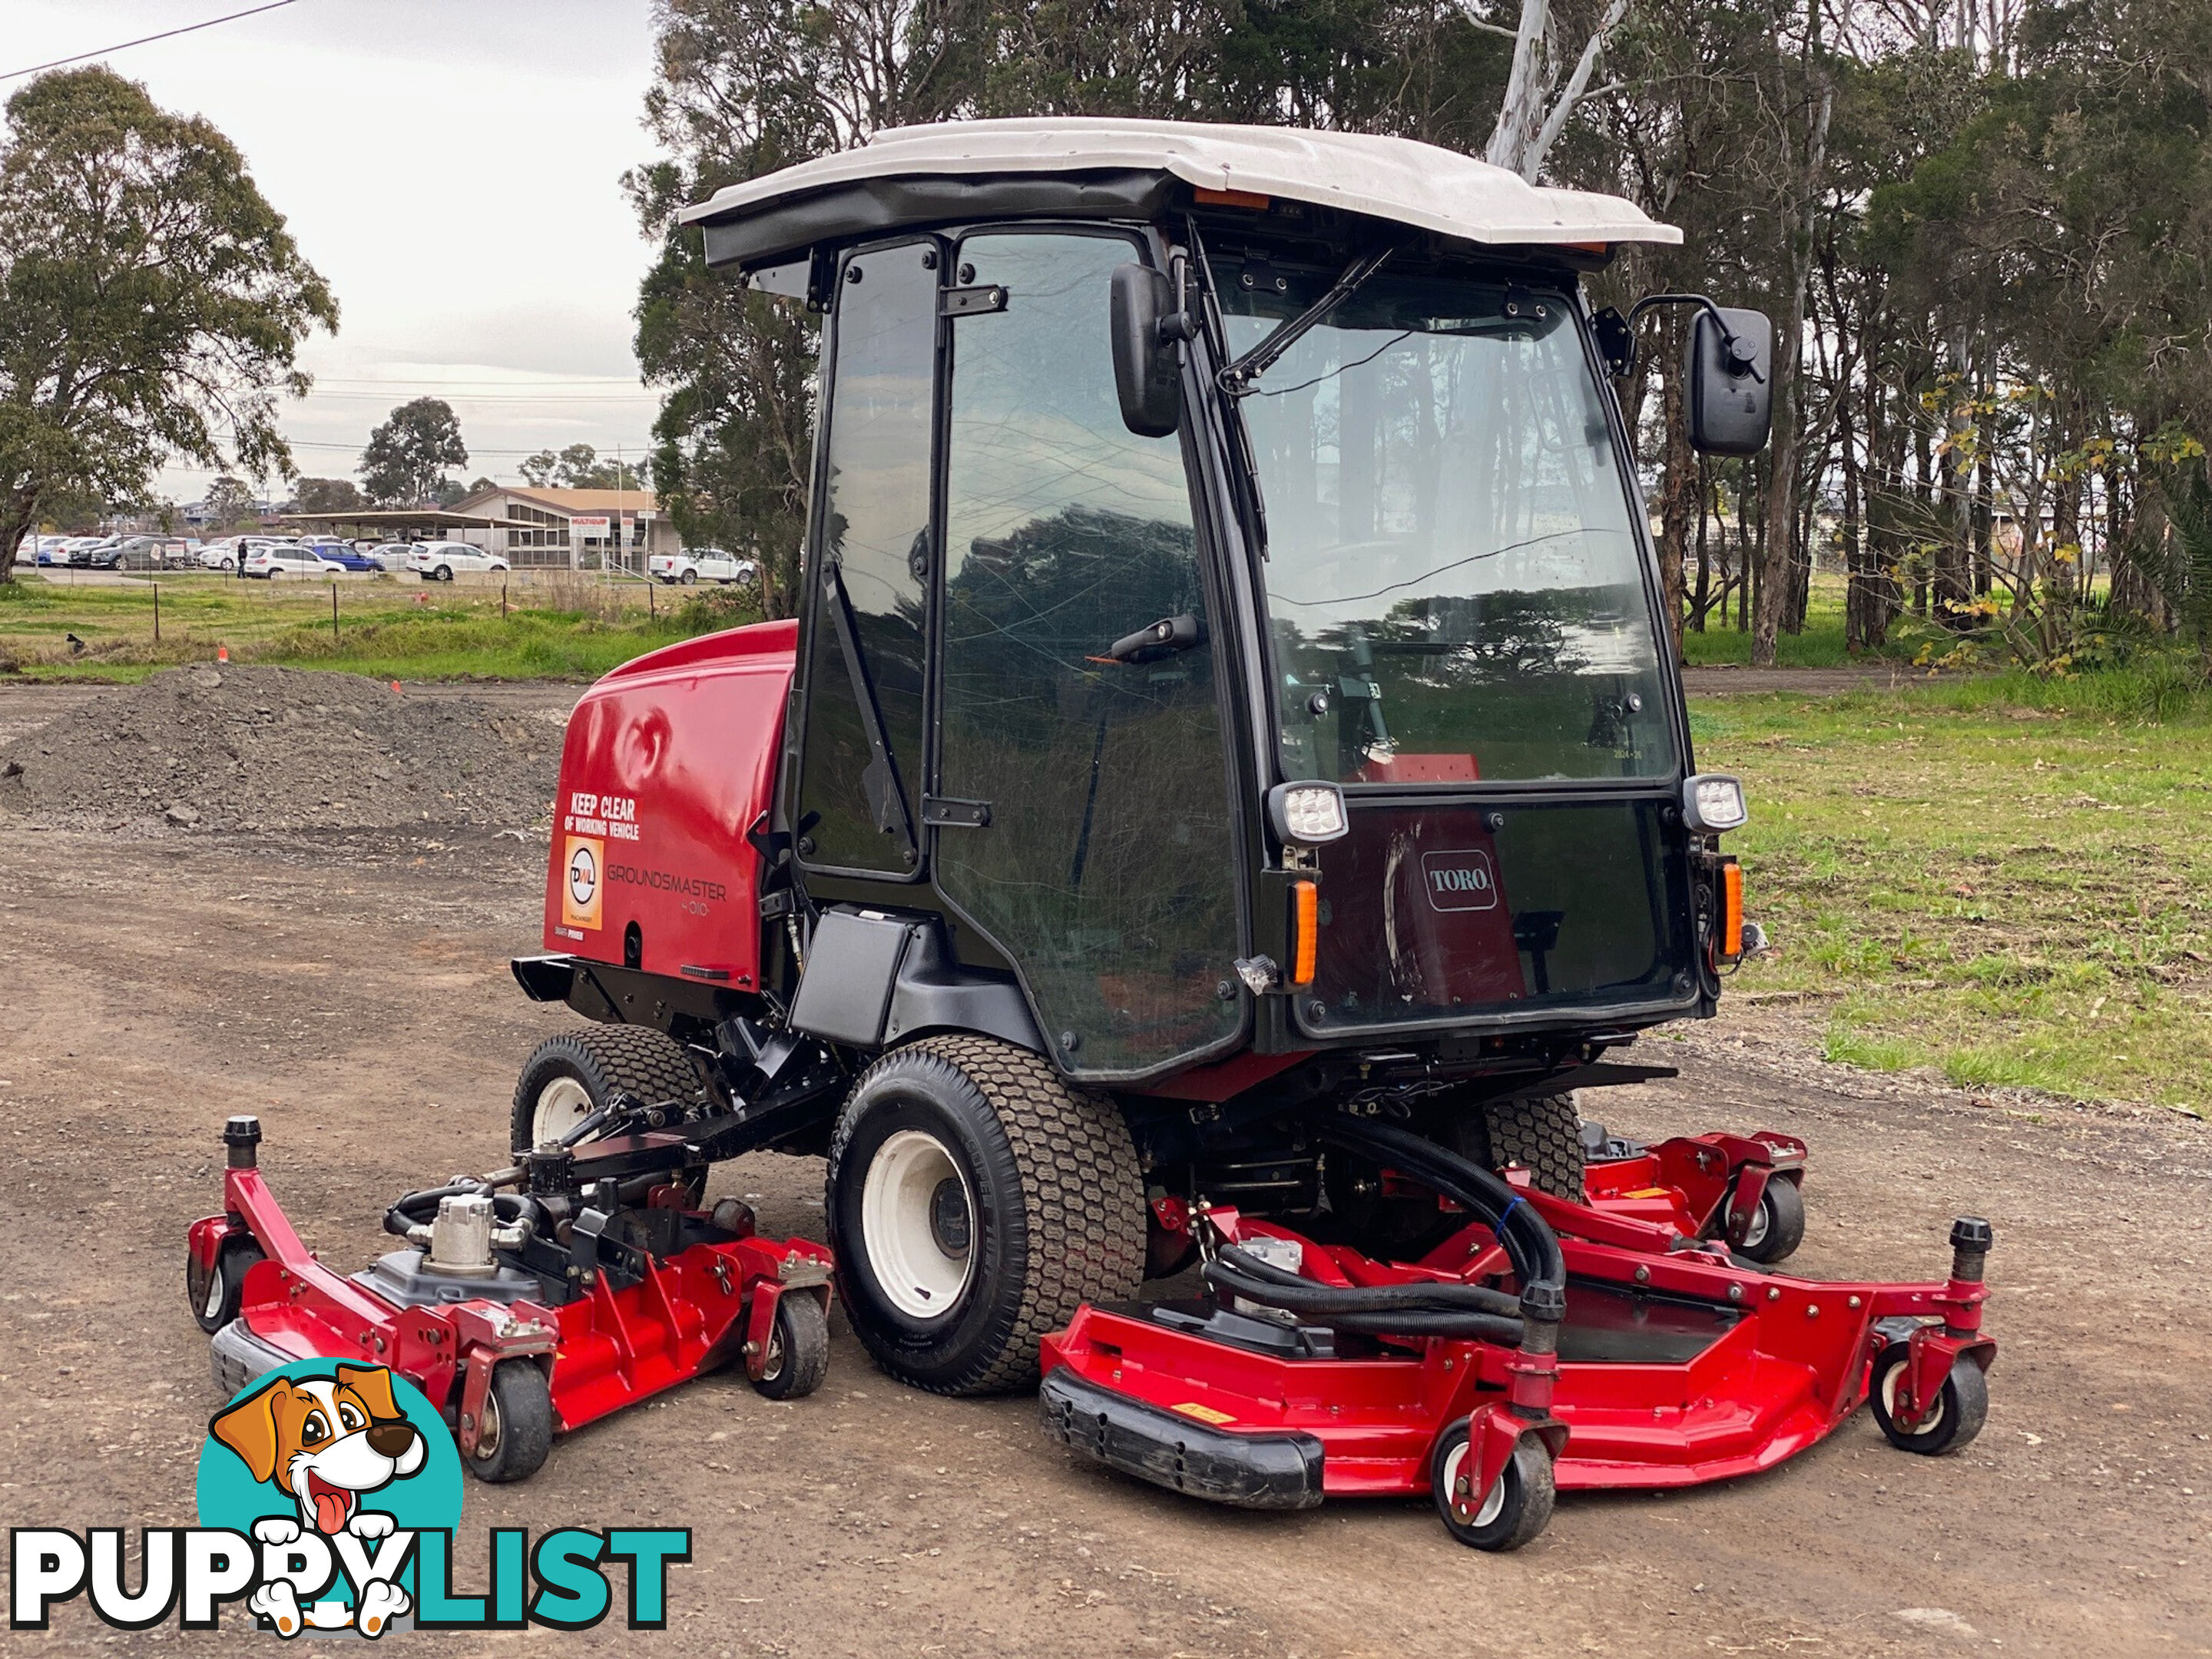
581,882
1460,881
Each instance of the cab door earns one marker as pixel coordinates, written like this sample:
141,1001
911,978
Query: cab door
1081,817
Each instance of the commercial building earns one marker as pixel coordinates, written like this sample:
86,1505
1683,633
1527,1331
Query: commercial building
582,529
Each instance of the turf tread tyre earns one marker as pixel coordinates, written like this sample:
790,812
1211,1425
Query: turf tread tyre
1083,1204
1783,1207
637,1059
1544,1135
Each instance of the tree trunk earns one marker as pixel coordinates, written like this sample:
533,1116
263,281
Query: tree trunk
1701,600
1954,548
1858,588
19,513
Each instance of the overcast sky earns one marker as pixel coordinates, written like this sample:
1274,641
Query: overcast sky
453,168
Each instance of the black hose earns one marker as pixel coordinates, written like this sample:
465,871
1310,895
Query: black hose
1370,1298
415,1209
1339,1308
1530,1244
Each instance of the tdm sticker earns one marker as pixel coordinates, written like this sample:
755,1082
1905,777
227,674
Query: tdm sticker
582,882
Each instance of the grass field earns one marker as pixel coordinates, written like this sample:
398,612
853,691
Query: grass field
2008,880
550,627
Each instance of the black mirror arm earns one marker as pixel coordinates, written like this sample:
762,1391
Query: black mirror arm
1740,360
1237,378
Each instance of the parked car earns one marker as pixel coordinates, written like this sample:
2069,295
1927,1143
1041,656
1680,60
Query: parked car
225,555
345,555
273,559
391,555
439,562
51,551
701,564
143,552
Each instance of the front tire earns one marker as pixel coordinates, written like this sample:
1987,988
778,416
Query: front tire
798,1348
1777,1227
1960,1410
975,1200
1516,1508
1543,1135
517,1430
570,1076
215,1292
444,572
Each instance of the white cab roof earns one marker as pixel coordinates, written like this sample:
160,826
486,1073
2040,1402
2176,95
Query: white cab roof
1397,178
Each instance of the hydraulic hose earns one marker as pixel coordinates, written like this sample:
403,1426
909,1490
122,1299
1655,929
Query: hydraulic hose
1474,1299
1529,1241
1383,1311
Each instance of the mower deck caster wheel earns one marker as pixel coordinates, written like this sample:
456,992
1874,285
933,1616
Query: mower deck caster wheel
1778,1227
517,1430
1958,1412
1516,1508
215,1291
797,1349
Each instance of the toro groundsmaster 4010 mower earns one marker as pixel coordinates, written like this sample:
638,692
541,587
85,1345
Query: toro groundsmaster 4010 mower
1224,792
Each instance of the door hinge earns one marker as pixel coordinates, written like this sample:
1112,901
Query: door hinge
950,814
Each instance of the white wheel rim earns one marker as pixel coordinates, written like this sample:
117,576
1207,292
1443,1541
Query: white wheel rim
1493,1501
561,1105
921,1276
1754,1234
1929,1422
215,1289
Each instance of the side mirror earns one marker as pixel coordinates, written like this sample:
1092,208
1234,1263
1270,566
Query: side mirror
1728,379
1145,375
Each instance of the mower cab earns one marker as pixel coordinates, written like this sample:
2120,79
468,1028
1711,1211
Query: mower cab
1228,690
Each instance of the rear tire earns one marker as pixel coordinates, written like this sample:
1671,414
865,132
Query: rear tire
965,1175
572,1074
690,578
445,572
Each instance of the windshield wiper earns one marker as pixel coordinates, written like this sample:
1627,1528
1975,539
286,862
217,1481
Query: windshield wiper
1237,378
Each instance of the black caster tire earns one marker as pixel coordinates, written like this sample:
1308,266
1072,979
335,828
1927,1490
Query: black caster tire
975,1200
1514,1510
517,1430
797,1349
1778,1227
215,1292
570,1076
1960,1409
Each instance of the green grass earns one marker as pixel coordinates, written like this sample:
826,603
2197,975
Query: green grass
551,629
1820,644
2004,879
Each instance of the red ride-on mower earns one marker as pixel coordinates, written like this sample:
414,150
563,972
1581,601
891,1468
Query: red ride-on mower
531,1301
1545,1346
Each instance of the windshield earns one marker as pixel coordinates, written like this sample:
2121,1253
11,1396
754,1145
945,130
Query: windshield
1453,584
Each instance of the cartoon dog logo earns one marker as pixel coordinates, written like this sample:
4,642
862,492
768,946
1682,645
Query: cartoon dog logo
324,1443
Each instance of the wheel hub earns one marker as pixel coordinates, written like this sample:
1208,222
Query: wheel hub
917,1224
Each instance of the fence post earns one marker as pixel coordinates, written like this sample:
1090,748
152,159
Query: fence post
157,612
334,611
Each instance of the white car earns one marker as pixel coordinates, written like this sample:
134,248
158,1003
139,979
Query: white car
389,556
701,564
274,559
224,555
437,561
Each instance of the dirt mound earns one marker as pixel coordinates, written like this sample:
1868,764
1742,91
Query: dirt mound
236,748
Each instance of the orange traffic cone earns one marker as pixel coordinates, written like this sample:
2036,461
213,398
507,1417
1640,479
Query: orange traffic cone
222,653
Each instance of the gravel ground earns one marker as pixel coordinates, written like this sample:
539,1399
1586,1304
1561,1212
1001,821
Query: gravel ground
361,1006
253,750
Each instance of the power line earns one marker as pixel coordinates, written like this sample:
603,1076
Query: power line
144,39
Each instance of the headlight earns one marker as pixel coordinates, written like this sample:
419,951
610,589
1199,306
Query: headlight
1307,814
1712,802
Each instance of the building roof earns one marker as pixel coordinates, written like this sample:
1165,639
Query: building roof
1396,178
572,500
382,518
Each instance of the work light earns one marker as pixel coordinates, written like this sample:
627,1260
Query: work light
1307,814
1712,802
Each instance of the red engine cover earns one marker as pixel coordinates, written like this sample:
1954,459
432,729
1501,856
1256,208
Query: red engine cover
668,761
